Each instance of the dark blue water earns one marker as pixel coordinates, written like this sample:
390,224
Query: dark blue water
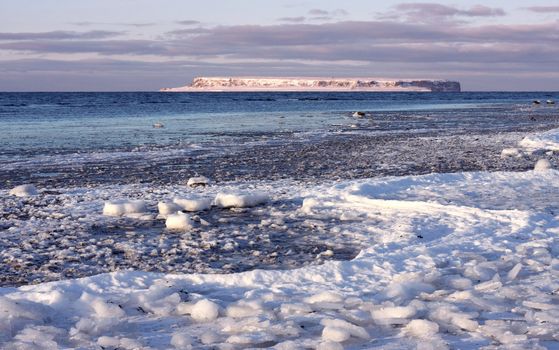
76,122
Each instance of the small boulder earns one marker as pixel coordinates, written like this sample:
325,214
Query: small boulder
198,181
542,165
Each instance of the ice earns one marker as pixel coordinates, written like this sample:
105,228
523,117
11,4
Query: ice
166,208
542,165
239,199
179,222
511,152
198,181
422,328
193,204
335,334
182,340
23,191
124,207
458,261
205,311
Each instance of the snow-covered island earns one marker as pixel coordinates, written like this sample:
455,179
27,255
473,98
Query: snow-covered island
315,84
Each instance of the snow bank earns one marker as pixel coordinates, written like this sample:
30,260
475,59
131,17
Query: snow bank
448,261
240,200
23,191
545,141
123,207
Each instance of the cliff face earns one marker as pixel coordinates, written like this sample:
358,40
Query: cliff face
315,84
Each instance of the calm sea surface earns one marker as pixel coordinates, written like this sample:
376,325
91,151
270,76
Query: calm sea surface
45,123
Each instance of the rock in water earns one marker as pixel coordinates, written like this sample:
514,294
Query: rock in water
198,181
542,165
23,191
358,114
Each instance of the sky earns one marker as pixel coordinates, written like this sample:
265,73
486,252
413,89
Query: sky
131,45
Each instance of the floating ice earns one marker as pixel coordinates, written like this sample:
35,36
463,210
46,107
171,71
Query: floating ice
193,204
179,221
542,165
23,191
198,181
182,340
123,207
240,200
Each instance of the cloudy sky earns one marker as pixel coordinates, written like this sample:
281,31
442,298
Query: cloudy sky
100,45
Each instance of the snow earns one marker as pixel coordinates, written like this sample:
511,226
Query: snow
198,181
23,191
179,222
193,204
542,165
464,261
123,207
239,199
546,141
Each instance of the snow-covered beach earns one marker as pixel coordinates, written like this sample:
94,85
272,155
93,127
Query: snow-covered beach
341,256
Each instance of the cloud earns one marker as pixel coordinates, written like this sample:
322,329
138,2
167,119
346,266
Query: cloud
138,25
427,12
299,19
543,9
318,12
188,22
60,35
324,15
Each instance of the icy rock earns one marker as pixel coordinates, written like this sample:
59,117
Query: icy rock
335,334
23,191
329,345
240,200
422,328
193,204
167,208
542,165
205,311
198,181
182,340
178,222
123,207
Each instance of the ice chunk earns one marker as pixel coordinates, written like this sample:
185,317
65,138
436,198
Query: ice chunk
23,191
105,341
335,334
123,207
542,165
325,297
513,273
205,311
182,340
210,337
167,208
193,204
179,222
243,310
353,330
394,312
198,181
510,152
240,200
422,328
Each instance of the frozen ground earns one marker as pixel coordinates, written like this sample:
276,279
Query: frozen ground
461,261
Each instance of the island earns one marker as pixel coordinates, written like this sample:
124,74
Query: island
315,84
